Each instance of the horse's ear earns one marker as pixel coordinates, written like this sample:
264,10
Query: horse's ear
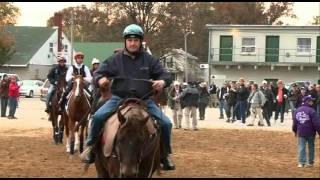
121,118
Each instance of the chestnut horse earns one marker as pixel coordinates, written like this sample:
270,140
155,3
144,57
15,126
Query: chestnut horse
135,149
78,109
57,126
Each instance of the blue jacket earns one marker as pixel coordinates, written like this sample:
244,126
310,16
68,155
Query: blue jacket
306,121
144,66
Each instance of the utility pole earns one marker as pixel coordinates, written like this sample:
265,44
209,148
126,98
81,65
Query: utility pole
71,59
186,55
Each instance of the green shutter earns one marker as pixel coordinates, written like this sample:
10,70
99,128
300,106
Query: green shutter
272,49
318,50
226,43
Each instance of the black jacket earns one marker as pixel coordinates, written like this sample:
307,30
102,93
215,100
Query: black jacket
55,72
190,97
144,66
242,93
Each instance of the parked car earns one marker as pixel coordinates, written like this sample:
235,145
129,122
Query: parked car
30,88
300,84
44,90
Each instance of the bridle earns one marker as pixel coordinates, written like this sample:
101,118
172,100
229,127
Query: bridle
148,147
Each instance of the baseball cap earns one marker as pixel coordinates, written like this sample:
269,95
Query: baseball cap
308,98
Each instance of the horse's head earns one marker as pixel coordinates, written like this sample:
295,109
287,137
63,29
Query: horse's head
78,86
61,83
131,139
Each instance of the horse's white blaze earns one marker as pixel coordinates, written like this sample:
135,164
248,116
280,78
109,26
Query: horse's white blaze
77,90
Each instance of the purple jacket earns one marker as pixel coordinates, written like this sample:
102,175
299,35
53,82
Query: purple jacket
306,121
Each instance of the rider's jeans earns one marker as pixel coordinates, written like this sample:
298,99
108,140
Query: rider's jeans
103,112
50,91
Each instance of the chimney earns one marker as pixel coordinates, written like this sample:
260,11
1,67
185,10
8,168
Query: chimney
58,22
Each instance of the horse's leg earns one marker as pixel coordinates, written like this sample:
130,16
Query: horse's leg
81,138
66,124
55,128
61,128
72,137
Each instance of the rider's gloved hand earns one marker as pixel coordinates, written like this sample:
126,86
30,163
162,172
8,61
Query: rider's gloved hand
158,84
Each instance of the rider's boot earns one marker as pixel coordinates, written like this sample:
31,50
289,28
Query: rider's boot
165,160
167,163
87,156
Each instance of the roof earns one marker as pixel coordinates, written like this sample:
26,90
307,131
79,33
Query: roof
28,41
260,27
99,50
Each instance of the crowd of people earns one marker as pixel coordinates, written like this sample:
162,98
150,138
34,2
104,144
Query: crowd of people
9,96
240,101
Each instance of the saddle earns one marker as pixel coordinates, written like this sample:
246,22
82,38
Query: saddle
111,128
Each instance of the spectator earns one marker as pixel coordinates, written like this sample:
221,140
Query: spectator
293,97
303,93
203,100
267,108
242,96
257,101
231,101
190,98
213,95
13,97
221,97
175,105
4,94
4,91
281,96
306,123
314,95
318,99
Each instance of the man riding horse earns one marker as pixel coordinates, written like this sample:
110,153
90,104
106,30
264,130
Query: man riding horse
54,74
132,62
78,69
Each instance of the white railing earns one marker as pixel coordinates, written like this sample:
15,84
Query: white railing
304,55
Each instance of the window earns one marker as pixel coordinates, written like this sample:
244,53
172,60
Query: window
304,45
248,45
65,48
50,47
170,63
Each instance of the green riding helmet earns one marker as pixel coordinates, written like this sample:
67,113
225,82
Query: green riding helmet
134,31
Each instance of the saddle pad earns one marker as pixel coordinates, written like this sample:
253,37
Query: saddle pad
111,128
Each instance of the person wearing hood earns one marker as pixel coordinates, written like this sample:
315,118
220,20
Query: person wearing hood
306,123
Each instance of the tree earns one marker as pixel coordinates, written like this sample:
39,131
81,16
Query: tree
149,15
316,20
251,12
90,24
8,15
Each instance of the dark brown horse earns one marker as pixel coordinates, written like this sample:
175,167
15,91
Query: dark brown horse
78,109
130,144
57,126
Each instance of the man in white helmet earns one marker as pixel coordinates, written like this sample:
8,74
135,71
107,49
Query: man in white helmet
53,75
77,69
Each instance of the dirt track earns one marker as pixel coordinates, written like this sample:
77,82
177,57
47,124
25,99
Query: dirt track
26,150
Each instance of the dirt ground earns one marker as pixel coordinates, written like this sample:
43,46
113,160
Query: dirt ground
27,150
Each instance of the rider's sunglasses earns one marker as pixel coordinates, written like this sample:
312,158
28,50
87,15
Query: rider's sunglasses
81,57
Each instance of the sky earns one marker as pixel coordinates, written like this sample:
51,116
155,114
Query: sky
37,13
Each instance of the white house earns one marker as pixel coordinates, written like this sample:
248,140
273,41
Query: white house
36,51
264,52
175,63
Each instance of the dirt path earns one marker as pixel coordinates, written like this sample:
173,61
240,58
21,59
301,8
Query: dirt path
27,150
